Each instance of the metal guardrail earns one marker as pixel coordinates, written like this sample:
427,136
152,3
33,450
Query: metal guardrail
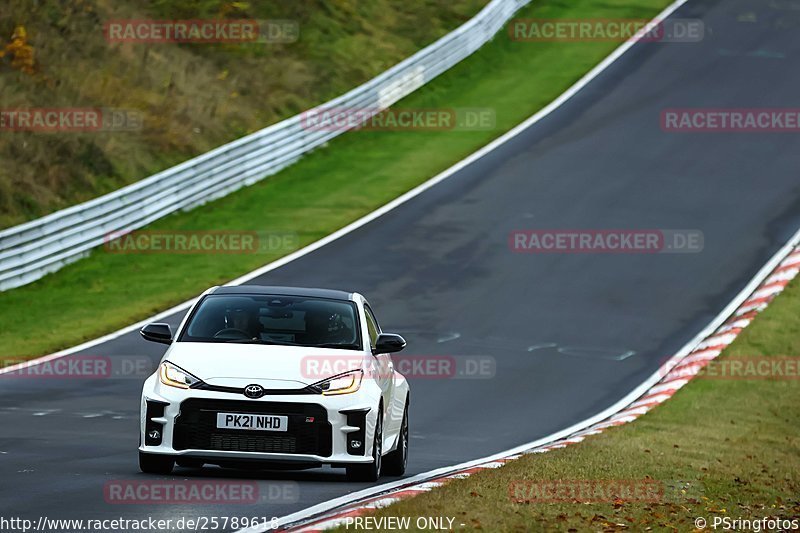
34,249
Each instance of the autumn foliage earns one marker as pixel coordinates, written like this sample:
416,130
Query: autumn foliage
21,53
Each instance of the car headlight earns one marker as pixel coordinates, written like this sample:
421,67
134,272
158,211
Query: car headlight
174,376
342,384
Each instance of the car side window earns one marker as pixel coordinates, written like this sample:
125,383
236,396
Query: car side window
372,326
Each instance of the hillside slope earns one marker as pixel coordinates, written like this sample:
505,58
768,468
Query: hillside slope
189,97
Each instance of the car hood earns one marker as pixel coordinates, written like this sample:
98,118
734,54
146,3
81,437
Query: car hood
278,367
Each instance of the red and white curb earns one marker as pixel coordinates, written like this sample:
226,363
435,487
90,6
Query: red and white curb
676,372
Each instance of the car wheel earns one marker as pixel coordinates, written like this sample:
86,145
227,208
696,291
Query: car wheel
394,464
189,462
371,471
152,463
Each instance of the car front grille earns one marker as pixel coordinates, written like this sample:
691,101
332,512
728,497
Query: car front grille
196,428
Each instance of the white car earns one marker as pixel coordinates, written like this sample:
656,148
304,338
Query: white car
276,377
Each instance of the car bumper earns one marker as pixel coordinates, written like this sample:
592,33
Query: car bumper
322,430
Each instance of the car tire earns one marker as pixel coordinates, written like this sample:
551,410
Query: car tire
189,462
394,464
151,463
371,471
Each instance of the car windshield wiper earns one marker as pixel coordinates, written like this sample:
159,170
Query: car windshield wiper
333,345
287,343
259,341
282,343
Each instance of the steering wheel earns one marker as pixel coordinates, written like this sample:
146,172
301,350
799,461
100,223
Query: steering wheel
225,331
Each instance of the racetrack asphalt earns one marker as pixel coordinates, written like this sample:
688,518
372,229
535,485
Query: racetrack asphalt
570,334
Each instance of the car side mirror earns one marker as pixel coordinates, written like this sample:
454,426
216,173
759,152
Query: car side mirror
388,343
160,333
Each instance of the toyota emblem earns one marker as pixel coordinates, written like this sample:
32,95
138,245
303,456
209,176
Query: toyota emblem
254,391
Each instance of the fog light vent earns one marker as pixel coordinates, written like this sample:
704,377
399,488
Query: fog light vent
152,429
355,440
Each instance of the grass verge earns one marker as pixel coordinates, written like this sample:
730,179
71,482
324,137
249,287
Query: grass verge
720,448
354,175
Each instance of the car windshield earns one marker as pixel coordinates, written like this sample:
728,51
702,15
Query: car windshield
268,319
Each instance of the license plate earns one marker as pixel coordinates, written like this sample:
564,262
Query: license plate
252,422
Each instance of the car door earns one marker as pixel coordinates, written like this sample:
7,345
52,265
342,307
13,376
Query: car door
385,372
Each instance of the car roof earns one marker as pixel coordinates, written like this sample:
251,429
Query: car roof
284,291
